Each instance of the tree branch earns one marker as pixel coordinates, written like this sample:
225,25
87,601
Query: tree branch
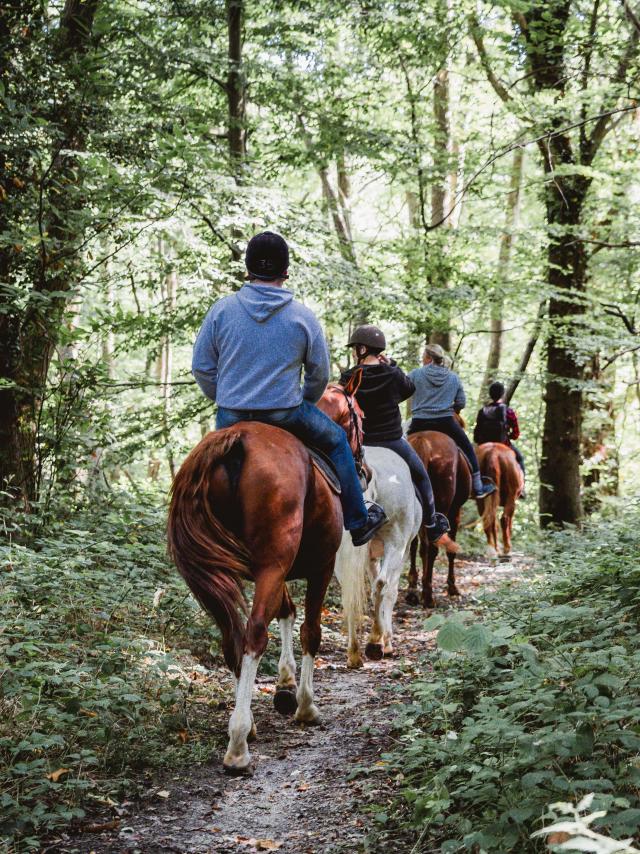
498,87
603,126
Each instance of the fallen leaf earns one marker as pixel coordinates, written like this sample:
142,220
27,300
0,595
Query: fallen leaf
183,735
303,787
163,793
87,713
99,828
267,845
557,838
55,775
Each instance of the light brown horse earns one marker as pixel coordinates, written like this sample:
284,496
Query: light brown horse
249,504
451,481
498,462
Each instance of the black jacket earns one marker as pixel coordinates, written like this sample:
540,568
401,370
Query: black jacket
382,388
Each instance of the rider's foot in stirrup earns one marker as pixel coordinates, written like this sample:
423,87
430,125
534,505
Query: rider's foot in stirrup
376,519
437,534
482,486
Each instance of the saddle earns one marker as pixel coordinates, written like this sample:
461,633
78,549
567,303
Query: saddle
326,468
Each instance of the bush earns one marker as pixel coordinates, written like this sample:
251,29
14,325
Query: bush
537,704
95,678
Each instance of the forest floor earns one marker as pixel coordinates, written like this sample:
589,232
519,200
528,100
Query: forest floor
315,789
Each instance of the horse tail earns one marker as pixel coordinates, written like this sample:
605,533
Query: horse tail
351,571
210,558
490,467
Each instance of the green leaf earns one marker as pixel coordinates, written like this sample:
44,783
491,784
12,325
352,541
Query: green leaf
452,636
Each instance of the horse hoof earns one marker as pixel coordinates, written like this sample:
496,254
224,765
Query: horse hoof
412,598
238,766
429,604
373,651
284,701
453,591
354,662
309,716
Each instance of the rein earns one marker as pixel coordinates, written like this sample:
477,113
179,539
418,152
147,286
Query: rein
349,392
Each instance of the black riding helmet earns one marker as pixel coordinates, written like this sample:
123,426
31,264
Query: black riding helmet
496,390
368,336
267,257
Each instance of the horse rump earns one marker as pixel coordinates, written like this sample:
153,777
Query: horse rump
210,557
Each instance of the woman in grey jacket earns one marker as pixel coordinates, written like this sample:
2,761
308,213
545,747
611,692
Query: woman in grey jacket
438,395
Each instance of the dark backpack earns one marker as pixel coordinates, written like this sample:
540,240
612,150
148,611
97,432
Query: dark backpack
491,424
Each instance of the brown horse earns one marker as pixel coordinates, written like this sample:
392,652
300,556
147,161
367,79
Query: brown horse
249,504
499,463
451,480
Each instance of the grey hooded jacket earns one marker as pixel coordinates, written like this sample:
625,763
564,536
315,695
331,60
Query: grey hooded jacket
439,392
253,346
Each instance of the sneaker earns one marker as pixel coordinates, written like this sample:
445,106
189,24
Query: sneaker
376,519
437,534
445,542
484,488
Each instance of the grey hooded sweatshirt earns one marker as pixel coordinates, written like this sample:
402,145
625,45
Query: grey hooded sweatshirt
439,392
253,346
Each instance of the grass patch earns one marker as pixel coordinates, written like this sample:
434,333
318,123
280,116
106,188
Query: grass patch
101,655
538,703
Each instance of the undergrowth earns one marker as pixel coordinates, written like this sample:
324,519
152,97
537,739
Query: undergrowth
536,704
96,683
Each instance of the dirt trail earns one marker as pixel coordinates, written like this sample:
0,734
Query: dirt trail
301,798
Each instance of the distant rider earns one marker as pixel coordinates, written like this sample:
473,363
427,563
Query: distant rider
498,422
249,357
439,395
379,387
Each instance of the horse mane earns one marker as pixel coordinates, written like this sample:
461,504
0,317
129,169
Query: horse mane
335,403
210,558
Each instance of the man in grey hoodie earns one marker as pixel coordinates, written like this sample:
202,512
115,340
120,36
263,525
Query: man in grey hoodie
249,357
438,395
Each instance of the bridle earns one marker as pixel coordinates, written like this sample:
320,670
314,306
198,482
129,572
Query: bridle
349,393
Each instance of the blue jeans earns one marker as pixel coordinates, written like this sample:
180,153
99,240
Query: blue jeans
450,427
419,474
313,427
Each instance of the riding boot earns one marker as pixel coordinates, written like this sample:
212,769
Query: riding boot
376,519
480,489
437,534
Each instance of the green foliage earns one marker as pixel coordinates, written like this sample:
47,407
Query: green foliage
95,677
536,704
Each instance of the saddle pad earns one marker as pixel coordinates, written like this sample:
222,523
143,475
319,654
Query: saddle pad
326,469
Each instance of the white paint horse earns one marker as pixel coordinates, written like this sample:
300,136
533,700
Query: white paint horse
382,559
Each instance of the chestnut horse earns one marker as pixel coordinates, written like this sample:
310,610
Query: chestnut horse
249,504
450,475
498,462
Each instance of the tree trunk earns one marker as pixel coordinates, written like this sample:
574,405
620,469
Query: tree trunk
442,150
560,499
236,87
528,353
29,334
168,289
504,263
598,445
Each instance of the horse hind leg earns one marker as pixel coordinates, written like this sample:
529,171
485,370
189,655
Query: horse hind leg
269,590
506,523
373,649
237,759
412,591
284,699
429,554
310,636
452,587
